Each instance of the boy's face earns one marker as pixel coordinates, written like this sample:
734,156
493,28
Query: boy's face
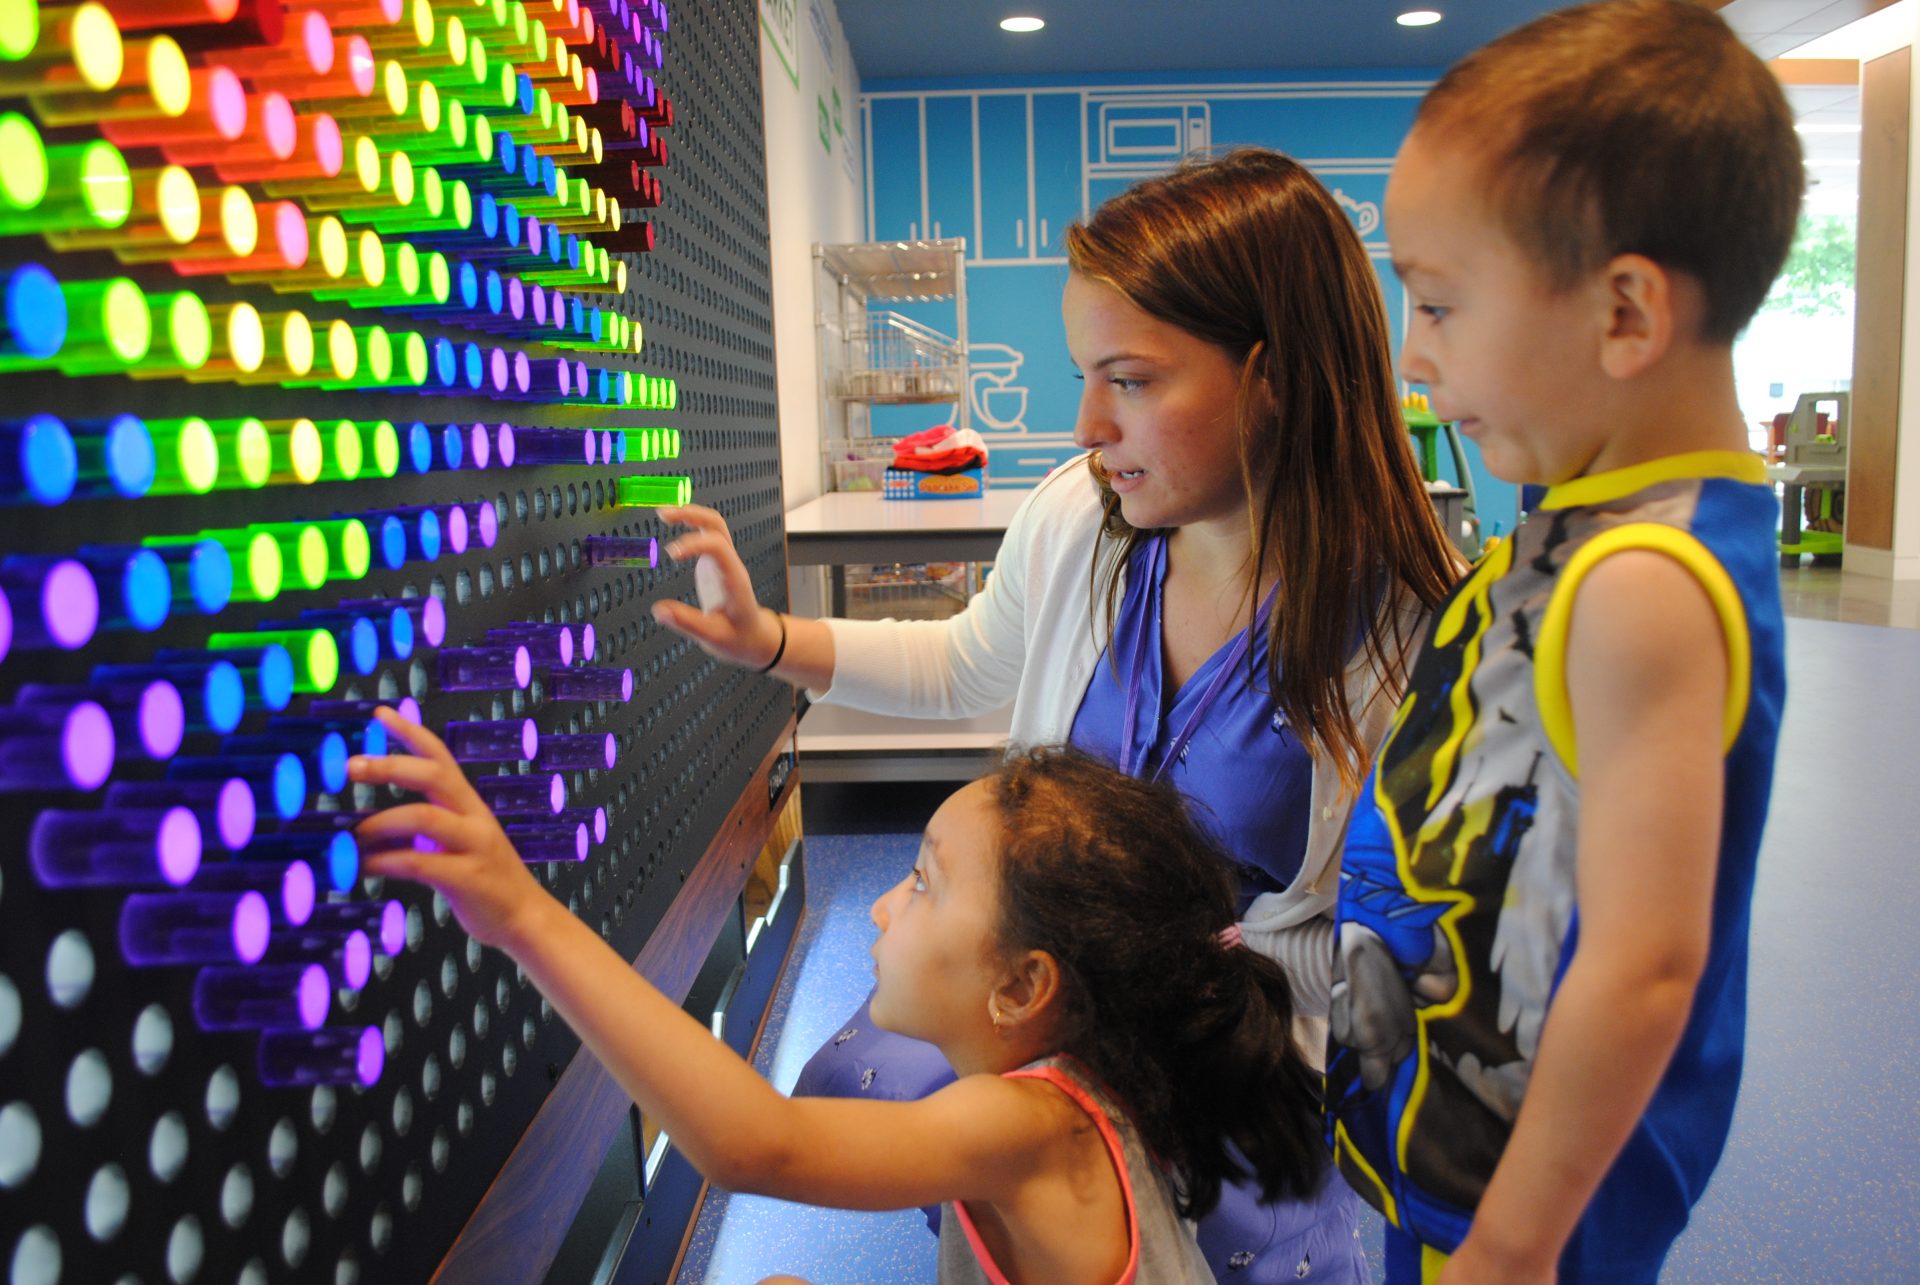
932,965
1499,349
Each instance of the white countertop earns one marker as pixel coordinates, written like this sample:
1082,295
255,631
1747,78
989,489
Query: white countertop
849,512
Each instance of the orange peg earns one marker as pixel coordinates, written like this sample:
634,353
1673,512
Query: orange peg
318,154
216,113
272,132
283,246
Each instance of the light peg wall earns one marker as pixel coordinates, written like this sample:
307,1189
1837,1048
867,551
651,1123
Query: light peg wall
347,349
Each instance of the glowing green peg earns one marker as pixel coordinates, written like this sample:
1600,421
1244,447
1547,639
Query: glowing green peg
255,556
19,29
376,357
386,449
406,273
345,455
186,333
413,360
246,454
653,492
109,328
303,550
439,278
186,457
23,170
316,655
349,549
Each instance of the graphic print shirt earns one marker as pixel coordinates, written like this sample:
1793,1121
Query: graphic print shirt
1457,912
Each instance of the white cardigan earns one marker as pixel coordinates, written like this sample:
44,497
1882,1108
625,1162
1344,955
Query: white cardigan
1034,635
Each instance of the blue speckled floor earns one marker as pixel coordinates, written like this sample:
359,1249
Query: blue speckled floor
743,1238
1821,1180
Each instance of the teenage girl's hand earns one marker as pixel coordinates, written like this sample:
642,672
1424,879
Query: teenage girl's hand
471,861
729,624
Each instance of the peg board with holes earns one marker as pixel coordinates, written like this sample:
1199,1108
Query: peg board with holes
347,346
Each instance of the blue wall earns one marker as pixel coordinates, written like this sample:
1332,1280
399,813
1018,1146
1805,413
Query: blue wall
1009,166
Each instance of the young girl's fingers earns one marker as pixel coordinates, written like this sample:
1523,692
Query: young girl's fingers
422,776
398,863
396,826
415,737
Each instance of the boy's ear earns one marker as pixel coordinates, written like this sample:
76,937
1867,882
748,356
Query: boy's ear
1643,302
1030,988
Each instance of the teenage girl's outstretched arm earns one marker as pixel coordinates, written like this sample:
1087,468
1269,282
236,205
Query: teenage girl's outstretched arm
978,1139
730,623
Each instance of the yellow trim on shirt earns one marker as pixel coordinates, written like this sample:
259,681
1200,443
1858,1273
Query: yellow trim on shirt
1343,1151
1431,1261
1550,650
1598,488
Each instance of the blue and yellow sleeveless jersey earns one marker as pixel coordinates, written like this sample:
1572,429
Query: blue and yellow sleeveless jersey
1458,914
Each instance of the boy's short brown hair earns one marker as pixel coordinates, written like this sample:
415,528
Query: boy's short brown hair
1633,127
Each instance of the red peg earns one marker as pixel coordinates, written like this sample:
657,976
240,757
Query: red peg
632,238
254,22
304,52
145,15
372,13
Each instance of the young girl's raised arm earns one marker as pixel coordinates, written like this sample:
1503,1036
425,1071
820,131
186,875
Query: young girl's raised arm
978,1139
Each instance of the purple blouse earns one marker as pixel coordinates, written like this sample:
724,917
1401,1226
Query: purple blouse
1246,776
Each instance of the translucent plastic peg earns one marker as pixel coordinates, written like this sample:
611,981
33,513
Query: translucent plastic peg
119,847
330,1055
55,747
541,794
590,684
510,740
226,810
261,997
194,928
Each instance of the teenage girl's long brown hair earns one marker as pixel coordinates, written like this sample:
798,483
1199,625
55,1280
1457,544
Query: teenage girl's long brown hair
1250,252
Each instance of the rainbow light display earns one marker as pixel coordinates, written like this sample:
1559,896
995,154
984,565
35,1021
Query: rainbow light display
417,199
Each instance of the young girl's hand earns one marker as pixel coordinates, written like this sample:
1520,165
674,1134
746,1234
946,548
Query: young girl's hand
729,624
469,858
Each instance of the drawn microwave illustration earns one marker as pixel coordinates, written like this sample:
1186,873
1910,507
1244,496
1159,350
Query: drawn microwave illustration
1151,133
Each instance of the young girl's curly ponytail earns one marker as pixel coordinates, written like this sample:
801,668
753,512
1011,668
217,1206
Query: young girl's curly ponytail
1193,1034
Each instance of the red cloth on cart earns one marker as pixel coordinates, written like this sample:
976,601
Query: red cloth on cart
940,449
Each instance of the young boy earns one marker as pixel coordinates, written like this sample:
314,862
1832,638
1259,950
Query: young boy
1539,1001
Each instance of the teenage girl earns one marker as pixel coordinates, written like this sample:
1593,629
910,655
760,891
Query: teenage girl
1224,593
1059,939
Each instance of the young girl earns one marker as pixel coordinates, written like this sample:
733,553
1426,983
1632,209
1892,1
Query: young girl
1060,939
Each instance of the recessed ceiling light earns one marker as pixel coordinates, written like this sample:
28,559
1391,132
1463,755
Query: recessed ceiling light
1022,24
1804,128
1418,18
